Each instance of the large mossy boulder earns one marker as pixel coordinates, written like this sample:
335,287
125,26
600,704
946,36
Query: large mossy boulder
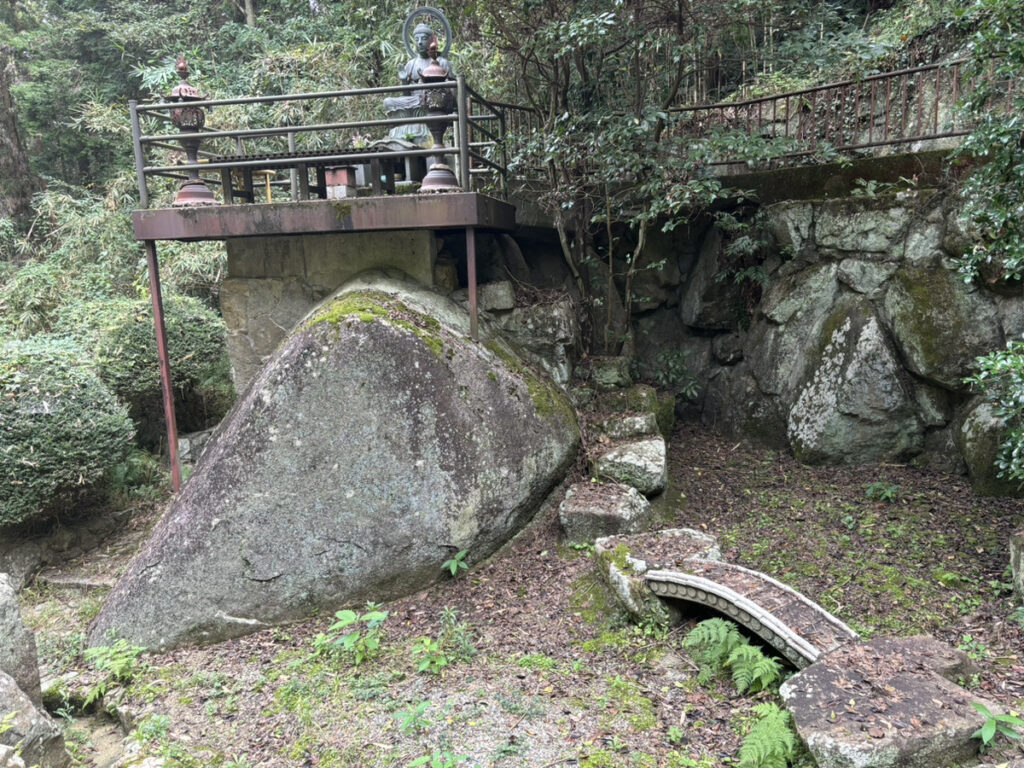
377,442
61,429
857,405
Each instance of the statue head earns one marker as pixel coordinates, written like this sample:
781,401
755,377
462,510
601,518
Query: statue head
422,35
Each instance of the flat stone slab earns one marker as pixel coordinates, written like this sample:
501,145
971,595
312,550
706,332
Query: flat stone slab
886,703
628,426
592,510
639,463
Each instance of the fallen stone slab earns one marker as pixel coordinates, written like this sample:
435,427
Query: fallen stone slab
627,426
885,704
18,656
31,732
639,463
592,510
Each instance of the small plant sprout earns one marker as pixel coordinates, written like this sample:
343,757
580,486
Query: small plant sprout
995,725
361,641
879,491
456,563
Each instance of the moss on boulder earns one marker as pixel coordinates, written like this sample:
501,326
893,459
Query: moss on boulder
377,442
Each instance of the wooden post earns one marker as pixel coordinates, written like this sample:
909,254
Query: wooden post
165,363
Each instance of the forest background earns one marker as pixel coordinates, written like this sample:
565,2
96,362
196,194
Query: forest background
603,77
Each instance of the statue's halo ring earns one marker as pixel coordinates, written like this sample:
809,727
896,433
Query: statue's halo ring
410,24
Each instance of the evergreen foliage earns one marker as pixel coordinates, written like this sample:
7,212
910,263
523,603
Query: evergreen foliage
61,429
119,335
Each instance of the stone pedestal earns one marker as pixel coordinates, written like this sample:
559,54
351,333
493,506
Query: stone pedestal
273,282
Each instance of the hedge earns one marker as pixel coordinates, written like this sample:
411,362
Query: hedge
61,429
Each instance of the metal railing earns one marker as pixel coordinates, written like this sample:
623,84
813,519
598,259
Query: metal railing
918,104
225,161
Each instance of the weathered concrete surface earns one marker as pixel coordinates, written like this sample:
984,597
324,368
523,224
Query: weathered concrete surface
18,657
36,735
273,282
883,704
377,442
592,510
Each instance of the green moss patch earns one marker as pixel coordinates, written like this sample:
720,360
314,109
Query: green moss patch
369,306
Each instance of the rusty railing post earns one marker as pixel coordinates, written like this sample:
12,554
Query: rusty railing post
165,364
471,279
463,135
140,162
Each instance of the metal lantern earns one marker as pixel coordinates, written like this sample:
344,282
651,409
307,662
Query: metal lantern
438,101
189,120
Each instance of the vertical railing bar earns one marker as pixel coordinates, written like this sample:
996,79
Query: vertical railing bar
938,90
956,94
140,161
463,134
871,113
903,106
920,108
888,102
293,173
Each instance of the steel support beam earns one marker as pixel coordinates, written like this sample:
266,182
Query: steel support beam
165,364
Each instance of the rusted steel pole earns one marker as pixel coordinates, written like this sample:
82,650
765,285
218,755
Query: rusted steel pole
140,163
467,184
165,363
471,279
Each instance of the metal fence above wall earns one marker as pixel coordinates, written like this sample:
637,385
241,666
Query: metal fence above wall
920,104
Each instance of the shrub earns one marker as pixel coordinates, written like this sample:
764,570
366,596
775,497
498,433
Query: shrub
60,428
119,333
1000,380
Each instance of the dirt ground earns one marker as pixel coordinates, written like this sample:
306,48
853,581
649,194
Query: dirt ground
529,662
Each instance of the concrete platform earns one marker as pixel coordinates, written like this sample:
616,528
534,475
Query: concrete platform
451,210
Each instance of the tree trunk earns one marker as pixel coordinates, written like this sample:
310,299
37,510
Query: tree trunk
250,13
16,180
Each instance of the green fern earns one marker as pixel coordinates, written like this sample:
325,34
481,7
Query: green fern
710,643
771,742
752,671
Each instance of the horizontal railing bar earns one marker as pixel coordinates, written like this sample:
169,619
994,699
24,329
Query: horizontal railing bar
866,145
285,130
485,161
168,105
361,158
819,88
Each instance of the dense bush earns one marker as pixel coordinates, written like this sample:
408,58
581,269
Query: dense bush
61,429
1000,379
119,335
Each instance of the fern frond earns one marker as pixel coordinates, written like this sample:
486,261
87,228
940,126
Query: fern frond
771,741
711,642
752,671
